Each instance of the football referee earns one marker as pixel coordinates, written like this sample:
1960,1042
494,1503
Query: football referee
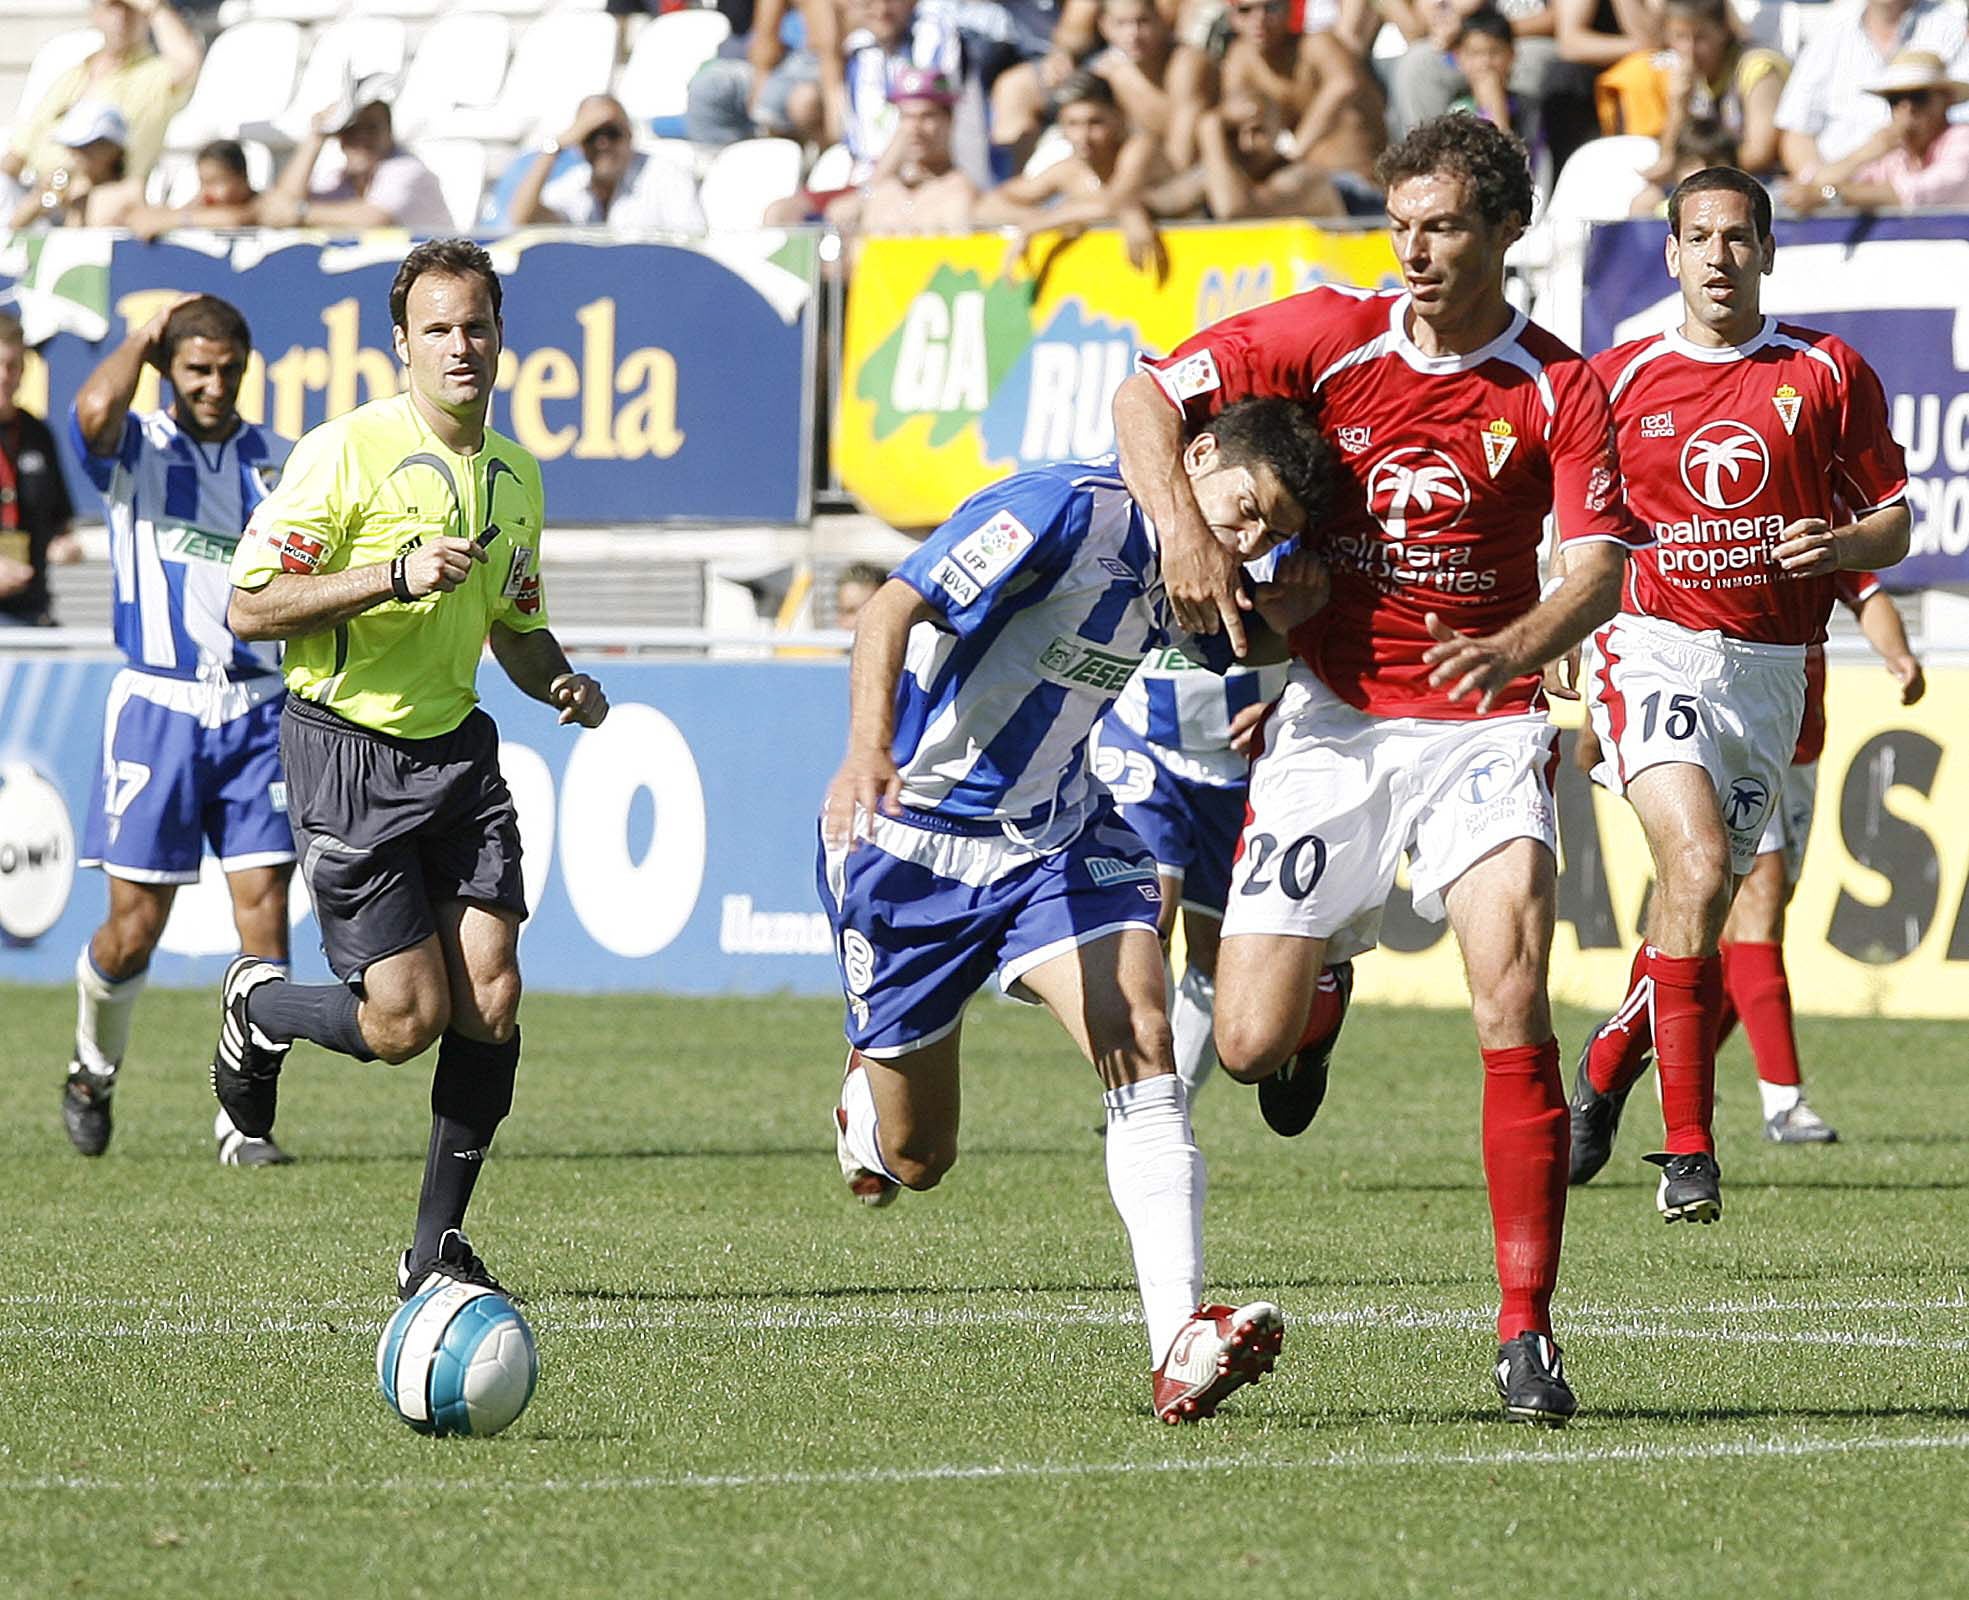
402,536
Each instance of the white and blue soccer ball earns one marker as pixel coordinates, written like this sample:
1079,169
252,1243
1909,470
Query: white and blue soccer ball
457,1359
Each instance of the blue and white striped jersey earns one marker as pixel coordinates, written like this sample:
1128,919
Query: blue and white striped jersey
176,507
1185,711
1051,593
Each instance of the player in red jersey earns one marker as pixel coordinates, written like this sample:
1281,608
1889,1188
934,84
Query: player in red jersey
1756,990
1412,717
1744,440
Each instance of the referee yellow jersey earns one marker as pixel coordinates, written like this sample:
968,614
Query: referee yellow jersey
363,488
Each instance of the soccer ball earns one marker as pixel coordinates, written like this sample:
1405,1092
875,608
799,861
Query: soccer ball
458,1358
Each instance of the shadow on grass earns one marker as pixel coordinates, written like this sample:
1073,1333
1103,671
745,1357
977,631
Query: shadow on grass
1590,1413
960,1291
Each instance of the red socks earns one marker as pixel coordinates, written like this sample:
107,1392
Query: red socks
1527,1147
1620,1050
1753,975
1688,997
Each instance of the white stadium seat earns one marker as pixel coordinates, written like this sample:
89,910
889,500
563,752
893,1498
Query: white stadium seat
460,62
55,57
744,178
559,61
832,169
667,52
248,76
1601,180
460,168
409,10
343,52
288,10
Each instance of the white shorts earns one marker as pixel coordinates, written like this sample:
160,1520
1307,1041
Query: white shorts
1661,694
1338,796
1791,818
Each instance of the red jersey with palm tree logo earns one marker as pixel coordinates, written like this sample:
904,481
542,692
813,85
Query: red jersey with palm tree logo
1450,466
1725,448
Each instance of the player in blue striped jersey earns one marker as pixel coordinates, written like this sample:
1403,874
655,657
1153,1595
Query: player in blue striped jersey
191,746
1165,753
965,837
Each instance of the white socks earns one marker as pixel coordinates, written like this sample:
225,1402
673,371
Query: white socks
1779,1098
862,1136
1155,1174
1191,1017
104,1008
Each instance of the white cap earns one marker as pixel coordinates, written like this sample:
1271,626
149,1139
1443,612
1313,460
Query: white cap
90,120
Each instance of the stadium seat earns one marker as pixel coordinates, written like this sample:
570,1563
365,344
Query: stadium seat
55,57
248,76
344,51
1600,181
831,170
460,165
460,63
744,178
408,10
1050,151
559,60
667,52
283,11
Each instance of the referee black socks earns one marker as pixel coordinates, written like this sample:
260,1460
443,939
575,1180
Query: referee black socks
322,1013
471,1093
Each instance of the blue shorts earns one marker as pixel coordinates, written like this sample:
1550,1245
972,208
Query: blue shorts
1191,828
174,777
925,915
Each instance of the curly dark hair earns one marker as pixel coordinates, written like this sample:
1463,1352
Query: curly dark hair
451,258
1490,159
1285,436
207,317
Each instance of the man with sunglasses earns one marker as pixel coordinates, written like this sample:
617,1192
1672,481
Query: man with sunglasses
611,184
1920,158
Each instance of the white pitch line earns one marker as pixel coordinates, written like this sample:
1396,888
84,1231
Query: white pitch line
1559,1453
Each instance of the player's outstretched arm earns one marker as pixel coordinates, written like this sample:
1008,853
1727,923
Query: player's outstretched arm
293,603
1586,595
867,783
103,401
1810,549
538,667
1200,574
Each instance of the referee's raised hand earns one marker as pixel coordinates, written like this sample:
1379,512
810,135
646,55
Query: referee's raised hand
439,565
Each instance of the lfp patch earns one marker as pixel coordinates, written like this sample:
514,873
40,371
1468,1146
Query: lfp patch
990,550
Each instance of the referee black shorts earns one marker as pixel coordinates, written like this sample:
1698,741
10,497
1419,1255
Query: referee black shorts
389,828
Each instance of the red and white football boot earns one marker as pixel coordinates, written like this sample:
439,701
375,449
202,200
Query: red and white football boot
1218,1351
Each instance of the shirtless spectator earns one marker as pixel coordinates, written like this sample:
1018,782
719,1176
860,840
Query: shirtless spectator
1242,174
1332,105
614,185
225,199
1102,180
925,193
1160,85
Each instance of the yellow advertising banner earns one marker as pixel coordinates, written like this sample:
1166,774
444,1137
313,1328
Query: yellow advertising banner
1879,925
964,361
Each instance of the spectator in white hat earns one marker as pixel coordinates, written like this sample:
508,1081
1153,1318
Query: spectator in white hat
380,186
1826,113
1920,158
86,186
147,85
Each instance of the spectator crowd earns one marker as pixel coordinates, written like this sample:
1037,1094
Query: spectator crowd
1035,115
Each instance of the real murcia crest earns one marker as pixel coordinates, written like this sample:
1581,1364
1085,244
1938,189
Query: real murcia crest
1500,439
1787,400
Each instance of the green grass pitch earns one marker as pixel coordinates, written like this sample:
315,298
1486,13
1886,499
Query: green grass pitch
752,1386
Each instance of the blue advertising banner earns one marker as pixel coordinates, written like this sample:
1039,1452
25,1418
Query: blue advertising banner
655,382
670,849
1896,289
